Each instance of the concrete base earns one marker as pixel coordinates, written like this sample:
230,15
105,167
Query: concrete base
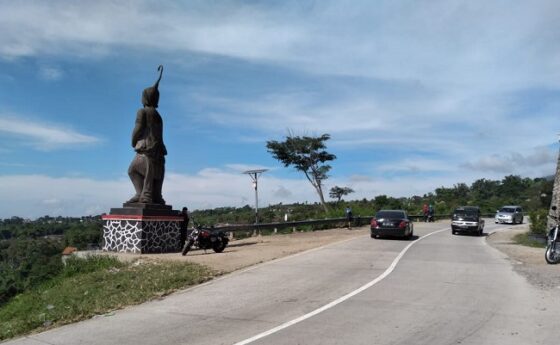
142,230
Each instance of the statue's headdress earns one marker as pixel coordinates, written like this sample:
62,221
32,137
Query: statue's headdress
150,96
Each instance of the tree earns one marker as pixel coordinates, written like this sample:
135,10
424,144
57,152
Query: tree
306,154
337,192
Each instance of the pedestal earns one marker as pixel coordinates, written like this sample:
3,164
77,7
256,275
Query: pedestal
142,228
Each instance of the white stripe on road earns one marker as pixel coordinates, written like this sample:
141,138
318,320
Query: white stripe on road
339,300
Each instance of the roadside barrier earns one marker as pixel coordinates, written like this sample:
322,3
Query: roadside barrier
334,222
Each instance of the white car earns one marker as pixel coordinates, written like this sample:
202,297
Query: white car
509,214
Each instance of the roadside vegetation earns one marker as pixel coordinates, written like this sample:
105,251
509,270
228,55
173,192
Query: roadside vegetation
536,235
97,285
525,239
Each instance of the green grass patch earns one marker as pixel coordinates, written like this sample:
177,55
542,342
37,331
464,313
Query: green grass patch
525,240
93,286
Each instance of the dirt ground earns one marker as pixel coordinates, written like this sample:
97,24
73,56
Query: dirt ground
254,250
527,261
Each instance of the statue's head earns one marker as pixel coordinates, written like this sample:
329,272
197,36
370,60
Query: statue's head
150,95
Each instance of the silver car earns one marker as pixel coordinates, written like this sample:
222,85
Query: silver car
510,214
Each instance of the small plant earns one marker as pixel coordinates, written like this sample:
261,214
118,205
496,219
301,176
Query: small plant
538,222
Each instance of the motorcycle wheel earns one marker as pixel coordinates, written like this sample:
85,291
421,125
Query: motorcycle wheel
219,246
551,255
187,247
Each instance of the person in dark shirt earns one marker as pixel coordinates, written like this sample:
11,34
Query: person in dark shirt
184,226
349,217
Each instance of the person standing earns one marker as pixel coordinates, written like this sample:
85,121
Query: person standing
184,226
349,217
425,211
431,213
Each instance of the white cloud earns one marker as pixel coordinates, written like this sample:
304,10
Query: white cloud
42,136
461,43
416,165
33,196
538,162
50,73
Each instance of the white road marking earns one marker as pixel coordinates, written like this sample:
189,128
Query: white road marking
341,299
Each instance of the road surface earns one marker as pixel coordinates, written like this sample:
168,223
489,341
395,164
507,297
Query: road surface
437,289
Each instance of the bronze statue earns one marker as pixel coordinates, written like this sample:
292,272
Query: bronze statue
147,169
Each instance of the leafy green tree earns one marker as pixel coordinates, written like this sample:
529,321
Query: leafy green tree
484,189
24,263
306,154
80,236
337,192
513,186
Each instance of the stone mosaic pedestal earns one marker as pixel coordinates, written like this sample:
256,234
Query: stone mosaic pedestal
141,229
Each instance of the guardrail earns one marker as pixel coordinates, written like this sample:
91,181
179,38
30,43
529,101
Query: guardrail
341,222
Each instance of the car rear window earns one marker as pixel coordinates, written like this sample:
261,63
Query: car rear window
468,213
507,209
389,214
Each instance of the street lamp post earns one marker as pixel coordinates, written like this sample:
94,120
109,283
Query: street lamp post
254,174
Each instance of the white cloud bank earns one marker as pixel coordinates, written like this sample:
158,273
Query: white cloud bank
40,135
32,196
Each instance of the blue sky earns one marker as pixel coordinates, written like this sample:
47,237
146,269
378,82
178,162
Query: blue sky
415,94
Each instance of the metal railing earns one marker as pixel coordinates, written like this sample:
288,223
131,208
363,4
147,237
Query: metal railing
340,222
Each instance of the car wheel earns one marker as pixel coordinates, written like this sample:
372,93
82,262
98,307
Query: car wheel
454,232
372,235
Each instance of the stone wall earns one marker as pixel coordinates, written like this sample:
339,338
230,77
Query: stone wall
141,236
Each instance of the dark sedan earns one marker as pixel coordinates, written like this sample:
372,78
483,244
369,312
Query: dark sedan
391,223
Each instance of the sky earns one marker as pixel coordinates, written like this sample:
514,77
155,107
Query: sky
415,95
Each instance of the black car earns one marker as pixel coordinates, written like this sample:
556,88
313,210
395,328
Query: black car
391,223
467,219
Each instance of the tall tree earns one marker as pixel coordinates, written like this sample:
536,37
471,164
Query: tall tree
306,154
337,192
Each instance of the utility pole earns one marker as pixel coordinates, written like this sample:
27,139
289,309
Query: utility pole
254,174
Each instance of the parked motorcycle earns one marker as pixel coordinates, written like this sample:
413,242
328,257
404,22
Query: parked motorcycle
205,238
552,254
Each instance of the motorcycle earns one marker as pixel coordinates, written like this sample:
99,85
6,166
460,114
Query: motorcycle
552,254
205,238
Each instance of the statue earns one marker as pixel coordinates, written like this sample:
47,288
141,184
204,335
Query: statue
147,169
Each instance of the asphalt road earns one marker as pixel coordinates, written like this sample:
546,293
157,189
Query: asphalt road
439,289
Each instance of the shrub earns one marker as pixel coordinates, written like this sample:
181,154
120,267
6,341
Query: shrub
538,221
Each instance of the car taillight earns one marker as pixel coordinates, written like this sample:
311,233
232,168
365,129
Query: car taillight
374,223
402,225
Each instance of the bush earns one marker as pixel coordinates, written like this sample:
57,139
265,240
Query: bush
26,263
538,221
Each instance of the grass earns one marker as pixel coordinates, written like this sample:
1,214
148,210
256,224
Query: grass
525,240
94,286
